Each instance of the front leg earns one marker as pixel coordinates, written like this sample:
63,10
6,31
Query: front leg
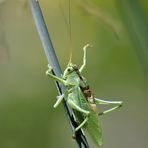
51,75
84,57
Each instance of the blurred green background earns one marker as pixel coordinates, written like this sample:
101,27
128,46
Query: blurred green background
117,69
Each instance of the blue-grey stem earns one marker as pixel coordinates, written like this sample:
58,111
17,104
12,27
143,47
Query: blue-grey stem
53,62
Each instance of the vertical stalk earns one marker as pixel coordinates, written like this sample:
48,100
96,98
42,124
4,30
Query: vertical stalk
53,62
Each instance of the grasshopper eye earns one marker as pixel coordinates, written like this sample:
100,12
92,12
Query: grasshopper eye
69,69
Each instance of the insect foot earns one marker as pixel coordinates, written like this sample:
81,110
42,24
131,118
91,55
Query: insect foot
59,100
49,70
75,133
87,46
49,67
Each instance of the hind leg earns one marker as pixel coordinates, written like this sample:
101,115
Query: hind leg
117,103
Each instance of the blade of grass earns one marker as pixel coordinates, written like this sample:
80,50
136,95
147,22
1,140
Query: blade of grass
136,25
53,62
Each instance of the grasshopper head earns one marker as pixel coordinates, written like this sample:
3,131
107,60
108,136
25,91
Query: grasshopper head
70,70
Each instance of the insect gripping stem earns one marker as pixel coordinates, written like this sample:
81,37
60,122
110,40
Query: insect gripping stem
81,101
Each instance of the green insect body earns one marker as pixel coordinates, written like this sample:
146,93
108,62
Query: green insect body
79,97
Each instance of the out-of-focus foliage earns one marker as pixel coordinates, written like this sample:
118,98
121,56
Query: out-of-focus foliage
117,69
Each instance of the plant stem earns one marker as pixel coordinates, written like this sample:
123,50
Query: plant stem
53,62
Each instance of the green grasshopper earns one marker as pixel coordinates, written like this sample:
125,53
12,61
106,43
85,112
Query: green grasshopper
79,97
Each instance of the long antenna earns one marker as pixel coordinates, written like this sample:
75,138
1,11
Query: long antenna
69,18
70,28
53,61
68,24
